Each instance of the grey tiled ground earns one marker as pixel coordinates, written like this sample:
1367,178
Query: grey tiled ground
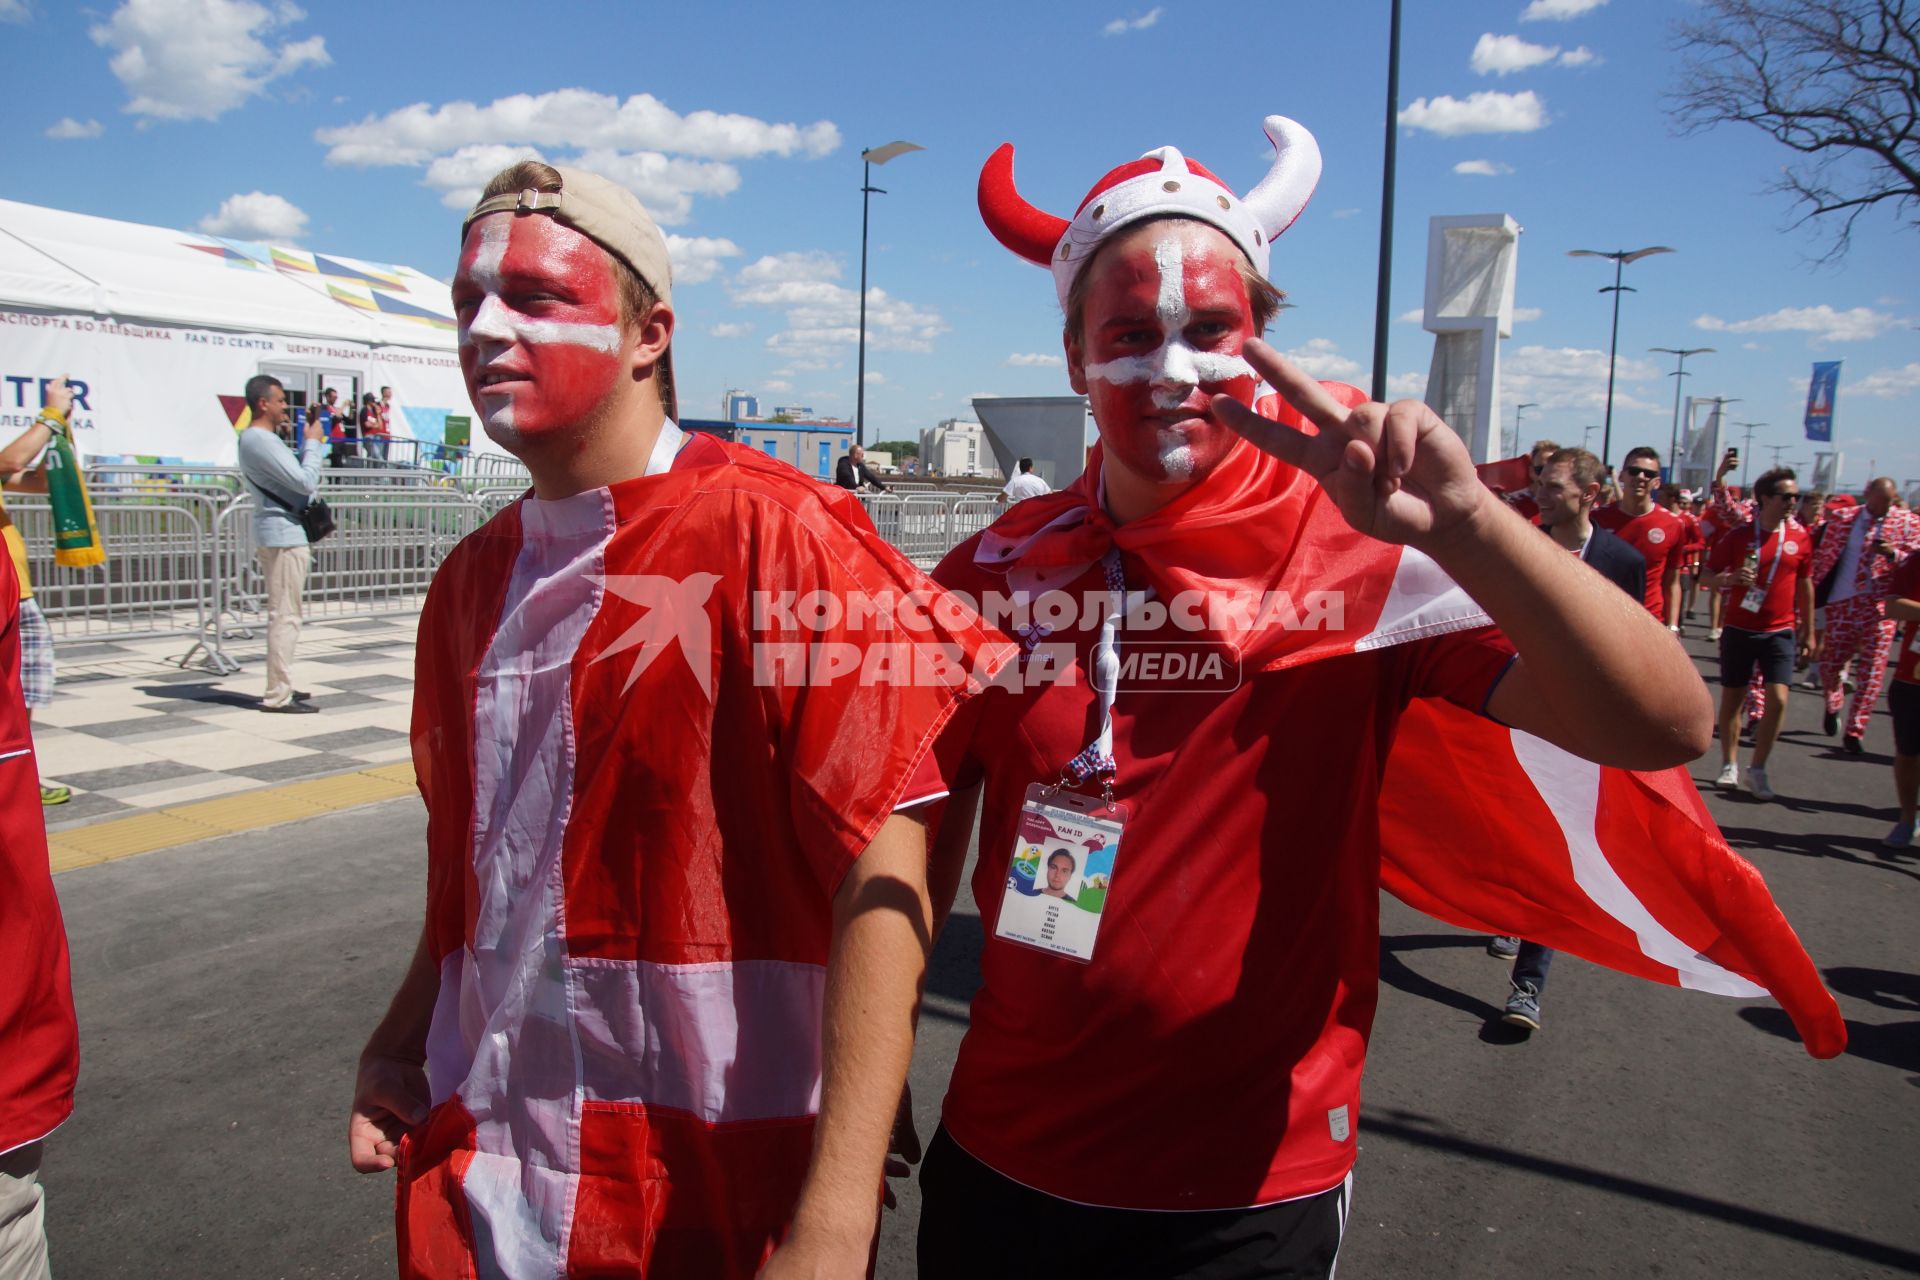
130,730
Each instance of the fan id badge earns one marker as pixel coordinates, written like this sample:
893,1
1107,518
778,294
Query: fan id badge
1061,872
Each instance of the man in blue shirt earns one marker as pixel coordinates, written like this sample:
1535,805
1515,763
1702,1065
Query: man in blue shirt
280,486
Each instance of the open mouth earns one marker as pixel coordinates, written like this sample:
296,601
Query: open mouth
498,380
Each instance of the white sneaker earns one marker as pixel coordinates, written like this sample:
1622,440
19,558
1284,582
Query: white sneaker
1758,784
1714,634
1729,775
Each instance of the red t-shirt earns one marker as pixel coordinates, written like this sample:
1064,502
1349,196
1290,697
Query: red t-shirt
1786,557
1906,585
1659,536
1209,1055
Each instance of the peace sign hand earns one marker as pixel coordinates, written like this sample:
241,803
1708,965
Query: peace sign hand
1396,472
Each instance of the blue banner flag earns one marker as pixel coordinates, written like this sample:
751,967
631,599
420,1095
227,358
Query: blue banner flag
1820,393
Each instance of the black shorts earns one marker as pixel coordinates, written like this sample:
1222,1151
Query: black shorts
1741,651
976,1223
1904,698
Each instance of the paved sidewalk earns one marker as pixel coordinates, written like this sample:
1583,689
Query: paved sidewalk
131,732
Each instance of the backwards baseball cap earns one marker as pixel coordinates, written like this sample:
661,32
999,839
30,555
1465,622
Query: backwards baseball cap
1163,183
604,212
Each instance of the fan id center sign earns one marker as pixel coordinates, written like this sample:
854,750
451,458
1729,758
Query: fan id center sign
168,392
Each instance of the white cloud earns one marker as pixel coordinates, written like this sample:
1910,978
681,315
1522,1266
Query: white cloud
1488,111
697,258
67,128
665,158
1483,168
1887,384
1578,57
1572,378
1525,315
1858,324
460,175
875,377
776,384
729,329
1558,10
1034,360
823,315
256,215
1321,358
1344,213
1416,316
1406,386
569,118
196,59
1503,55
15,11
1120,26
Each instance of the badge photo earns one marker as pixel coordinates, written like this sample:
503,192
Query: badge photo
1060,872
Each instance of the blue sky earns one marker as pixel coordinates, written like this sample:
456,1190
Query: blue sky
358,128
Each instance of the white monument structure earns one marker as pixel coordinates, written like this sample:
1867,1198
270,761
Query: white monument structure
1469,308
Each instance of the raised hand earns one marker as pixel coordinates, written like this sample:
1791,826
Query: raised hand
1397,472
58,396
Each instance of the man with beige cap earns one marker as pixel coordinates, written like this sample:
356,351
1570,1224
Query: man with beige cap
662,1006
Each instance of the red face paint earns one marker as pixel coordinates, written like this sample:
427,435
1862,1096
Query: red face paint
539,316
1165,318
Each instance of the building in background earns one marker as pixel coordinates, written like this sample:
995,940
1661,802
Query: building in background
957,447
813,447
739,406
796,412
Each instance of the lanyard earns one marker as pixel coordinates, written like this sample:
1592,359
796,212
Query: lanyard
1779,550
1096,758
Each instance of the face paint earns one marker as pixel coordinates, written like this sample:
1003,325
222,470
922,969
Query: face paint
1165,319
539,317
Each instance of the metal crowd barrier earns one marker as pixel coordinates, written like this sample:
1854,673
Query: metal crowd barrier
158,578
927,526
181,559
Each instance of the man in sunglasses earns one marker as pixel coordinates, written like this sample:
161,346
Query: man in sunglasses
1765,568
1656,533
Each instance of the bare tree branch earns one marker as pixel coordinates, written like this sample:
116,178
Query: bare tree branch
1835,81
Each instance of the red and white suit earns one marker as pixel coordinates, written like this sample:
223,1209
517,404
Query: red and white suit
634,844
1857,626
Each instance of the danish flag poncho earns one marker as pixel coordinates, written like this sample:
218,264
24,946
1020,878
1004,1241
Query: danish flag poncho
1623,868
634,842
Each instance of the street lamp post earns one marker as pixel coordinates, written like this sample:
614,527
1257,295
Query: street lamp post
869,158
1620,258
1746,450
1679,378
1586,434
1519,409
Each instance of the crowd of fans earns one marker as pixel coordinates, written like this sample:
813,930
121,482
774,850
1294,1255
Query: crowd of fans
1797,587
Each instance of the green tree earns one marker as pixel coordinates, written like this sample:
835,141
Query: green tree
899,448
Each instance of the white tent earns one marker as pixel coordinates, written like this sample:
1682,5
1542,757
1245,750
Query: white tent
160,330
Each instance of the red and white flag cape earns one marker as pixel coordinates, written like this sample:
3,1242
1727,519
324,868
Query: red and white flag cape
1481,826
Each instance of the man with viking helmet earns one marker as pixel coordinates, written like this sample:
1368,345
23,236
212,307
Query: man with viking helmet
1208,1054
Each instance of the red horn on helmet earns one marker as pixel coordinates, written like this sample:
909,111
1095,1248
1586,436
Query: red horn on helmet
1284,192
1032,233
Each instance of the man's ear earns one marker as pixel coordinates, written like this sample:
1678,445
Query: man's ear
648,340
1076,364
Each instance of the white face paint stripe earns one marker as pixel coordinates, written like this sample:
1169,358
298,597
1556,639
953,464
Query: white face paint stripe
1174,363
1172,307
485,272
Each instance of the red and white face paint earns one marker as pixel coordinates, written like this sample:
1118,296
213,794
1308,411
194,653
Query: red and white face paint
1165,319
539,316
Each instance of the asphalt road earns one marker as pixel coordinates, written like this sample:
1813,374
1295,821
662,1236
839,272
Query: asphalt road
225,988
